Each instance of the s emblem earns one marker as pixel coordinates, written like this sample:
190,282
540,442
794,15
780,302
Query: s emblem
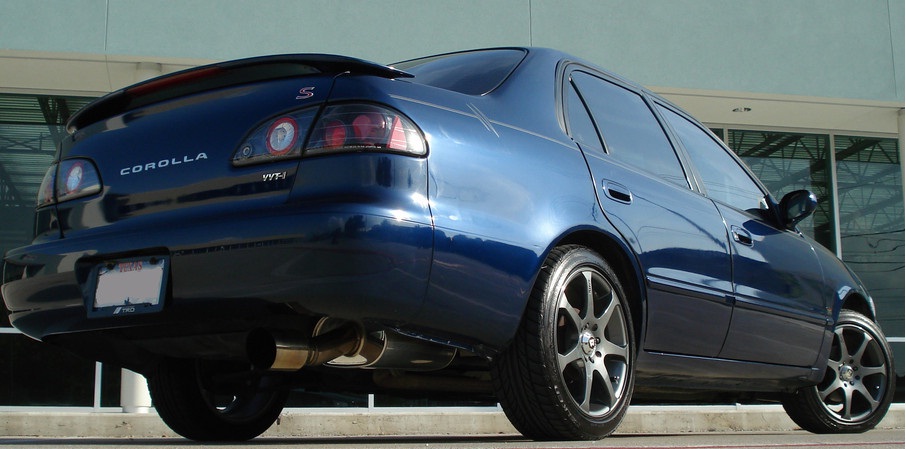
305,92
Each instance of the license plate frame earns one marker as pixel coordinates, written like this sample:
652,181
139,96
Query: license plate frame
127,286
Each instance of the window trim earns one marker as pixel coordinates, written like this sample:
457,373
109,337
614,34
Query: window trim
699,181
564,82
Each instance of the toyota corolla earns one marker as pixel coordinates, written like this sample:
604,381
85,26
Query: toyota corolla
512,223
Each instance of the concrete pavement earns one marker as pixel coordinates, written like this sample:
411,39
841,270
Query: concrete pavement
412,422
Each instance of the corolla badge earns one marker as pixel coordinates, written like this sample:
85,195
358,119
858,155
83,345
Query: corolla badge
163,163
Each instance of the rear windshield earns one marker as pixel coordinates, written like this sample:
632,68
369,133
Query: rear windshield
473,72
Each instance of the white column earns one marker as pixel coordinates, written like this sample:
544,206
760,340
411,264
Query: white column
134,395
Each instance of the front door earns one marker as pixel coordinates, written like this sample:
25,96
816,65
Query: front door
780,313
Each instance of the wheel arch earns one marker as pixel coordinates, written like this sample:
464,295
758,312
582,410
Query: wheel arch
624,265
858,303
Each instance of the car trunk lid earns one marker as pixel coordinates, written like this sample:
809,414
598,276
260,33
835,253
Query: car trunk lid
168,143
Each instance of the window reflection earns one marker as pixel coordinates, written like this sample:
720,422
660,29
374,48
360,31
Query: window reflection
870,186
785,162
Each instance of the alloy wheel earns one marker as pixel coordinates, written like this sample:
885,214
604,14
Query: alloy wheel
856,377
592,342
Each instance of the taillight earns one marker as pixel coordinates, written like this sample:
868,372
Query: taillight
282,136
364,127
334,133
67,180
276,139
341,128
45,192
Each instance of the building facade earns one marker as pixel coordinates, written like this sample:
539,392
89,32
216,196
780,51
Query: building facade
809,93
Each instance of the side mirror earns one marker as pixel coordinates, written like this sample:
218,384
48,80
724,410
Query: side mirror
797,206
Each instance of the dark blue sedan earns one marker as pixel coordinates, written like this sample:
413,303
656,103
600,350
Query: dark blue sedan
510,223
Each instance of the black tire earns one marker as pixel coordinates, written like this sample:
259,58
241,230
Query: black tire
858,384
209,401
569,372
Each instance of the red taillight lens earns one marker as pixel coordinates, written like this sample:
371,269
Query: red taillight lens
77,178
334,133
363,127
398,138
369,127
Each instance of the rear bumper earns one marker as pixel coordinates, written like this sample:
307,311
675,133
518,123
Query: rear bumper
229,276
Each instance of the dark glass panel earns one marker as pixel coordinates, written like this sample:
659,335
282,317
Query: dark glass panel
870,186
38,374
630,131
785,162
724,177
31,127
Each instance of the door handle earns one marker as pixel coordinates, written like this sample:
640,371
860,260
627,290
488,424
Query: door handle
617,192
741,236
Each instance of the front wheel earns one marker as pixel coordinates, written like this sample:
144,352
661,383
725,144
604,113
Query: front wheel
211,401
858,383
568,374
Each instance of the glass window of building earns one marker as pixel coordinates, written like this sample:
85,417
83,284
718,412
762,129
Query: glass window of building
870,187
31,127
785,162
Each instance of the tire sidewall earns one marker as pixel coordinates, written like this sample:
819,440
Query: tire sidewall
182,402
591,426
808,400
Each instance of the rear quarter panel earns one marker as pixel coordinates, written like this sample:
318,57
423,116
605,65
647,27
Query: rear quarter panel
505,183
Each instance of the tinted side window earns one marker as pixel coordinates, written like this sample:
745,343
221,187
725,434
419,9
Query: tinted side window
725,180
629,129
581,128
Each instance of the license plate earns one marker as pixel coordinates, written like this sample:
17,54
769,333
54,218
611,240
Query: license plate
129,286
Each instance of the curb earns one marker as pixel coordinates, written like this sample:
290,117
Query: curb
414,422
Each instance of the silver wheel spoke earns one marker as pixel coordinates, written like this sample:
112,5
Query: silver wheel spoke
586,397
570,357
844,351
862,391
608,312
610,348
866,371
836,385
571,313
847,403
589,299
604,374
857,356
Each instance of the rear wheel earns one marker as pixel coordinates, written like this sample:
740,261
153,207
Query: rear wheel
210,401
858,383
569,372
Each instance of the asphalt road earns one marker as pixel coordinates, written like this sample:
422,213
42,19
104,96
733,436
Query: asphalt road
876,439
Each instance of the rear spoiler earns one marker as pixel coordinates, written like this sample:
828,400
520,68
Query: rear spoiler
220,75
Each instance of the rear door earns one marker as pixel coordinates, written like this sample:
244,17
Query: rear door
780,313
677,234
